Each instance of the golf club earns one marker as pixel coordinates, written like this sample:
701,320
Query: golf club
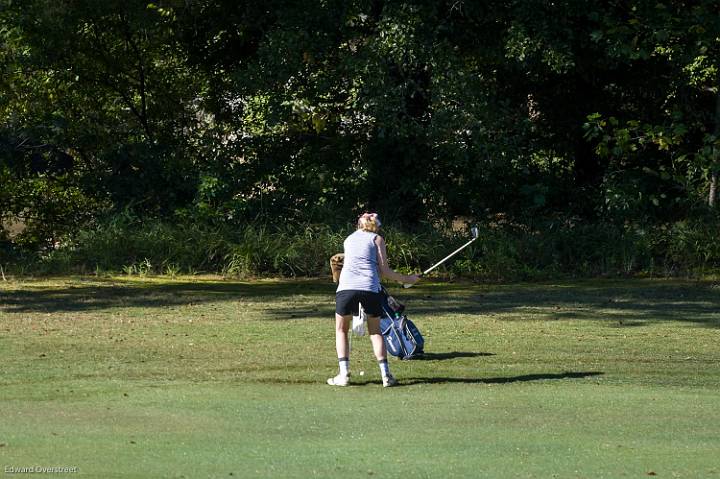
475,234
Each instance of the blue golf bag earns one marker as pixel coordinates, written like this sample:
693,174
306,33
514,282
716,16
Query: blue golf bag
402,337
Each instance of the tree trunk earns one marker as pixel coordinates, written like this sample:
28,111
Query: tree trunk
712,195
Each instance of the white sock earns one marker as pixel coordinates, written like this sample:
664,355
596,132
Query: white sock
344,366
384,368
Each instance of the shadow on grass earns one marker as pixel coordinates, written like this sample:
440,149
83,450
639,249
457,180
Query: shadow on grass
449,355
621,303
109,294
448,380
506,380
289,314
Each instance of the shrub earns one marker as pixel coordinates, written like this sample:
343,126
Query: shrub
505,250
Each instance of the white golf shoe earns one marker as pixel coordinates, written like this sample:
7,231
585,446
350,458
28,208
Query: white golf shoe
339,380
389,381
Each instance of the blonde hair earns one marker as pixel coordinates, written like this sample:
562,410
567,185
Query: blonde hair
369,222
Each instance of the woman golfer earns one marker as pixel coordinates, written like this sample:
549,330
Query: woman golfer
365,261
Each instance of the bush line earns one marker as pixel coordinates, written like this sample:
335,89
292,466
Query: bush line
504,252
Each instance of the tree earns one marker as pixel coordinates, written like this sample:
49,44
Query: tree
102,88
673,131
221,110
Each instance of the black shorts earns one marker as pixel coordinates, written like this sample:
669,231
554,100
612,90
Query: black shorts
346,302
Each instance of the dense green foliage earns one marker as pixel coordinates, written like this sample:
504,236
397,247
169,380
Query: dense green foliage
213,115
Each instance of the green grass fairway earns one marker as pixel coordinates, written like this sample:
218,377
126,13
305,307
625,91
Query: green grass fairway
204,378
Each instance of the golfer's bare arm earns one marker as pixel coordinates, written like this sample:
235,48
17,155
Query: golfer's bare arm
385,270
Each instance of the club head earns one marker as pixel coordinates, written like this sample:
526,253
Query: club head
475,232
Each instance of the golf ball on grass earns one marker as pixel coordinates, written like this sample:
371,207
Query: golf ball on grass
362,373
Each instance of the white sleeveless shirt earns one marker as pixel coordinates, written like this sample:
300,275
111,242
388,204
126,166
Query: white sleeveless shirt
360,268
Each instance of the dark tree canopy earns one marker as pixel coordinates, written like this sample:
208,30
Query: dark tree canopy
425,110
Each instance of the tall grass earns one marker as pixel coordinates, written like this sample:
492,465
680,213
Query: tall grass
505,251
264,250
549,249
